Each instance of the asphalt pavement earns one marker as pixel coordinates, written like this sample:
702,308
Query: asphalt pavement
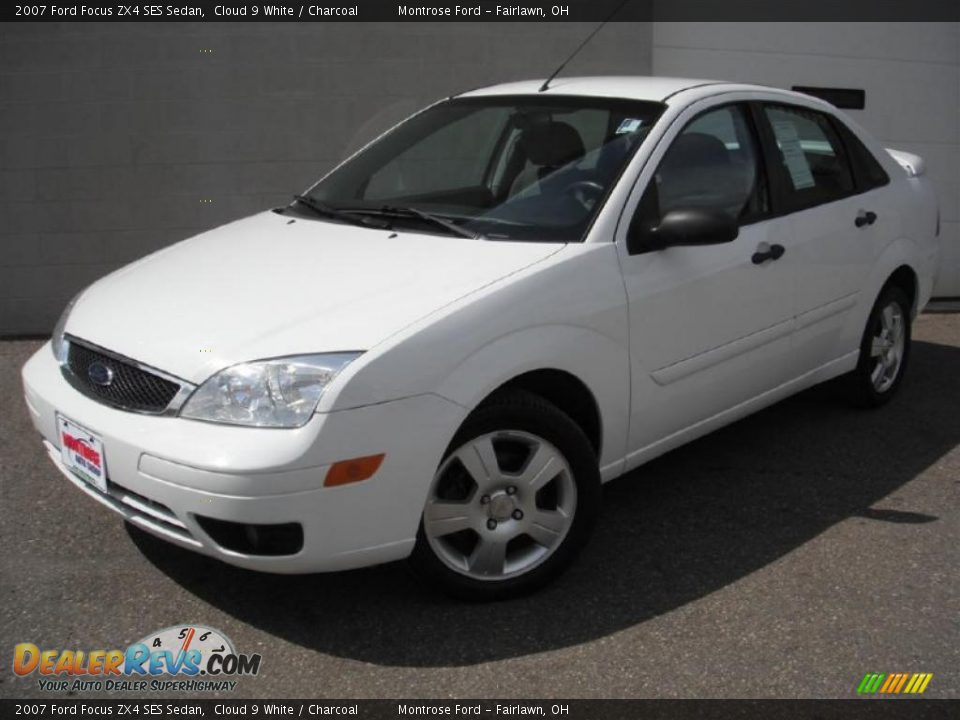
784,556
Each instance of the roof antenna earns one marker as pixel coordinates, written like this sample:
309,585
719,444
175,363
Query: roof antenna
582,45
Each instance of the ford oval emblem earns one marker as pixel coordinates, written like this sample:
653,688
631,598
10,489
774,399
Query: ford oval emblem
100,374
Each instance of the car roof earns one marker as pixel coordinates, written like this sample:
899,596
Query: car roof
634,87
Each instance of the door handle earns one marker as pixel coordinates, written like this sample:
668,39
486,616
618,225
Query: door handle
767,252
865,217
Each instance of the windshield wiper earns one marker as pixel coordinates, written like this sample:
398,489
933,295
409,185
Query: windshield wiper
393,211
321,208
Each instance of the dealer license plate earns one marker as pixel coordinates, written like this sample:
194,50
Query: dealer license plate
82,453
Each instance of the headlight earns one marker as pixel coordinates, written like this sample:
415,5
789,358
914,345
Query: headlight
56,340
282,392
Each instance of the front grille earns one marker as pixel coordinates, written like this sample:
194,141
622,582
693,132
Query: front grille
130,387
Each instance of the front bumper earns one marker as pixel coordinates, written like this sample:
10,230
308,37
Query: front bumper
165,472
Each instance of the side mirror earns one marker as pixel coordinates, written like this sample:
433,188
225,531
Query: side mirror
684,226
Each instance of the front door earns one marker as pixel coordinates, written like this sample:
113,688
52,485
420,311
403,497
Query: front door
710,325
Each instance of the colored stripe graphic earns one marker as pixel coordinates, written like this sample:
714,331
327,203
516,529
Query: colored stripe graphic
918,683
870,683
903,679
894,683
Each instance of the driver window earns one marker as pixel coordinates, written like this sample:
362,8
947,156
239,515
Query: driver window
714,164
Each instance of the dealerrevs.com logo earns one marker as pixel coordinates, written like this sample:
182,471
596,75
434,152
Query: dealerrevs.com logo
186,658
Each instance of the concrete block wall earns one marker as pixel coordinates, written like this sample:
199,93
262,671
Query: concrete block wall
910,72
119,138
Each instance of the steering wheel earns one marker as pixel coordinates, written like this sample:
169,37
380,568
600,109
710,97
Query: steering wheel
585,192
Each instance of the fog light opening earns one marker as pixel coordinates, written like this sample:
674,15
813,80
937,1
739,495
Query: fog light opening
251,539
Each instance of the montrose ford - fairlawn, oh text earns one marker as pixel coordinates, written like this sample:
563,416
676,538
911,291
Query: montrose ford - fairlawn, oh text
478,11
457,709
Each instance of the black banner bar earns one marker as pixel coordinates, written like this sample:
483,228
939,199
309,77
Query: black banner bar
485,11
860,709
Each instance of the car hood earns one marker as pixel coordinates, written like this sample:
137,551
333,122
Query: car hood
273,285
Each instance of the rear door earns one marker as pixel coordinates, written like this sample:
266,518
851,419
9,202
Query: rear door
838,223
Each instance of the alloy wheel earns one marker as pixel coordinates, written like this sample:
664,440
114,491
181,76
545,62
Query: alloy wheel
887,346
500,505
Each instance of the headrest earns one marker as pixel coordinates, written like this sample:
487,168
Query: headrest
552,144
697,150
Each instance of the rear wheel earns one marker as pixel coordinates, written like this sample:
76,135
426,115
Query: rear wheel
511,503
884,350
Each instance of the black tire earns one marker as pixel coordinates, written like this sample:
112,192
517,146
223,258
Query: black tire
519,411
861,388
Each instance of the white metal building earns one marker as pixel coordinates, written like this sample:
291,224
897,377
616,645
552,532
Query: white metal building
909,72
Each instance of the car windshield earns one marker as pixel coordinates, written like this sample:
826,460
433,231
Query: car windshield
534,168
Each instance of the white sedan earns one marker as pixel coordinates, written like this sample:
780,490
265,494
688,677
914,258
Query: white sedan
443,348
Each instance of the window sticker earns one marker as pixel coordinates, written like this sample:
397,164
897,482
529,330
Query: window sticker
629,125
789,142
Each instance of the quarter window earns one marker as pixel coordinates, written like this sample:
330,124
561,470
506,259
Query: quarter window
810,156
867,171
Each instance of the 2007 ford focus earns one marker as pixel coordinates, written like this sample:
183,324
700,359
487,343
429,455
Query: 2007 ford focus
443,348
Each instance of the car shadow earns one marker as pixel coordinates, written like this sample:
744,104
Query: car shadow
676,529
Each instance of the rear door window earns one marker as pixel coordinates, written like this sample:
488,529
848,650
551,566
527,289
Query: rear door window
809,155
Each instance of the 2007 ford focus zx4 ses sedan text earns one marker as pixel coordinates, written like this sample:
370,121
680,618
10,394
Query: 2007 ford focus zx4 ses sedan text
443,348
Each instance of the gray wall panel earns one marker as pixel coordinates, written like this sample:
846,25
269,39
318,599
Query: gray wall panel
111,134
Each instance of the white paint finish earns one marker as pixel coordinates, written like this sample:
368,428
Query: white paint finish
910,71
716,289
913,164
265,287
738,347
834,260
640,88
567,314
942,163
670,344
263,476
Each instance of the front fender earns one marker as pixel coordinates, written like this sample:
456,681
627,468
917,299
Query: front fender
567,313
598,361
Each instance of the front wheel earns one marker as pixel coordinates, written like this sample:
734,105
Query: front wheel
884,350
512,502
